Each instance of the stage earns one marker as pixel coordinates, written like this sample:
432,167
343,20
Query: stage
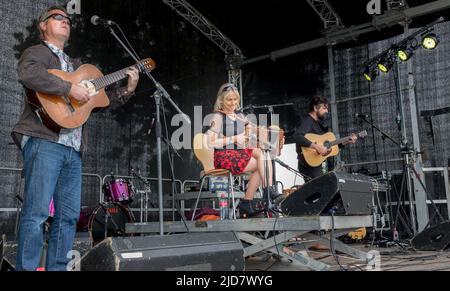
393,258
328,122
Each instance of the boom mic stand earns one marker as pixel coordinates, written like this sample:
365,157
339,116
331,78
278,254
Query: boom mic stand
385,137
159,93
271,112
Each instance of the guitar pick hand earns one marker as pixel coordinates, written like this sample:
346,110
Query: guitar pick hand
80,93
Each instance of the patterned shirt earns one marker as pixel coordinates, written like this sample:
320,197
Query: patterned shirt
68,137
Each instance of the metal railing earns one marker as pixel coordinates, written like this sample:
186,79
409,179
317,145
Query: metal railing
182,184
19,171
445,171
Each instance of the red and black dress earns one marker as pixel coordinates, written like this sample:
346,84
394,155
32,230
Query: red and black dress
230,157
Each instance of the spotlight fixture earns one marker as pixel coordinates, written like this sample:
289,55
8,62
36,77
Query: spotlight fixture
385,63
405,53
430,41
370,74
401,51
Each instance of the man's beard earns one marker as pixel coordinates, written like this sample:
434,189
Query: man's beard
322,117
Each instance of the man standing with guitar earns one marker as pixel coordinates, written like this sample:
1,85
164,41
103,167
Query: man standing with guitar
312,124
52,159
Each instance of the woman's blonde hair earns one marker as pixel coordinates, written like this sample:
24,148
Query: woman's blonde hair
223,92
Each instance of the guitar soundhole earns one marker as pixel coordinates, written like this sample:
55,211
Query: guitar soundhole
327,144
313,199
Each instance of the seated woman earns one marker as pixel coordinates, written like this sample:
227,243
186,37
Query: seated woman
227,136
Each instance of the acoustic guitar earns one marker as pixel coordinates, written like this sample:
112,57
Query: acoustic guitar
57,112
329,141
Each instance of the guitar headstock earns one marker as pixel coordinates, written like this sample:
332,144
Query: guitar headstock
363,134
148,63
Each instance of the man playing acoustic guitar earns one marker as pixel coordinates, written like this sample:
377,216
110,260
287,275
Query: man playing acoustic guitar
311,124
52,160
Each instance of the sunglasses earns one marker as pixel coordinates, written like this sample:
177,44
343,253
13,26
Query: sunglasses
229,87
59,17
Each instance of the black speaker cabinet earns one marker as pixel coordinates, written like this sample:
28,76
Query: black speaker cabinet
435,238
351,194
185,252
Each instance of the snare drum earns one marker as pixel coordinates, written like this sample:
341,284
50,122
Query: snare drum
118,191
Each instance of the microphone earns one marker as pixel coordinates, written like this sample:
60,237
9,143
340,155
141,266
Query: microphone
152,124
359,115
96,20
281,163
248,108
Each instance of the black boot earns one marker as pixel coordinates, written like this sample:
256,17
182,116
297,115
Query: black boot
274,195
246,208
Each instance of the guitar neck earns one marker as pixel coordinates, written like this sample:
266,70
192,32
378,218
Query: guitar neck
347,139
110,79
340,141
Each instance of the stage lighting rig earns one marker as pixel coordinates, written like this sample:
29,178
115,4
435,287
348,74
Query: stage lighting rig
403,51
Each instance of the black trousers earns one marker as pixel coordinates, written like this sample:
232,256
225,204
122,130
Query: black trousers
309,172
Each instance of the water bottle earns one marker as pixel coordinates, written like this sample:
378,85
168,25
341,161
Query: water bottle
223,206
325,167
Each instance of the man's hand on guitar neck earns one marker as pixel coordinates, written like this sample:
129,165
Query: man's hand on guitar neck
353,138
80,93
133,79
321,150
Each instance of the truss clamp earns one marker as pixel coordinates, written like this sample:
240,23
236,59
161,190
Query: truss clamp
390,18
234,62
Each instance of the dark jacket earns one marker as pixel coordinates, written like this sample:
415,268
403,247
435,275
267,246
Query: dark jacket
32,72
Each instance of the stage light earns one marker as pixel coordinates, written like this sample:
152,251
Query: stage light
405,53
385,64
430,41
370,74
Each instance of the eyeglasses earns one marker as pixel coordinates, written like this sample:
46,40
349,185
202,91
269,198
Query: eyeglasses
59,17
229,87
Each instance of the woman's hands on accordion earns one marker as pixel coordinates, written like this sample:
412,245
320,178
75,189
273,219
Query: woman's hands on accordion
241,140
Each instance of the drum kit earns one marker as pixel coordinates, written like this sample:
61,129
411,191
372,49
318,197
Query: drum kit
109,218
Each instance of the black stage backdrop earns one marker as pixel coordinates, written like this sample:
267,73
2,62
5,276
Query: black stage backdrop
191,68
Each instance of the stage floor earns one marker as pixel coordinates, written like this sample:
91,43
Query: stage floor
392,259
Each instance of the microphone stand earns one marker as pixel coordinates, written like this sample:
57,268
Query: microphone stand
385,137
270,110
159,93
287,167
144,205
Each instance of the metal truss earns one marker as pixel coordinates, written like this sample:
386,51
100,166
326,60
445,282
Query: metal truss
326,12
188,12
396,4
233,54
354,32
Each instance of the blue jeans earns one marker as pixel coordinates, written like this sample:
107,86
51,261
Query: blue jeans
51,171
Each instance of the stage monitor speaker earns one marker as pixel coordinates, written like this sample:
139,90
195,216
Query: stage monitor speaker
351,194
184,252
435,238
